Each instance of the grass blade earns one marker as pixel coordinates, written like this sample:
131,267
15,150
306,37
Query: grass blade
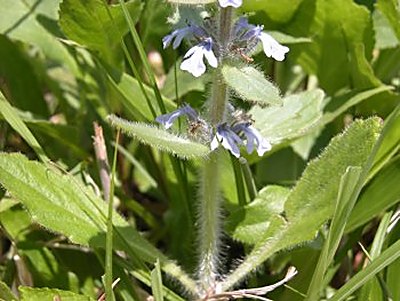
11,116
356,282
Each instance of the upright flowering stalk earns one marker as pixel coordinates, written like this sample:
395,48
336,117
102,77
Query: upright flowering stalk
215,45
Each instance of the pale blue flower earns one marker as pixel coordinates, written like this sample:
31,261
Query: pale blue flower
179,34
234,3
228,139
272,48
253,138
168,119
193,59
252,34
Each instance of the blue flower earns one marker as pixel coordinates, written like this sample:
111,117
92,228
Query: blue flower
252,34
234,3
194,63
272,48
168,119
253,138
228,138
179,34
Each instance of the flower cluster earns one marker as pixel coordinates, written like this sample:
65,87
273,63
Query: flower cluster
230,136
244,38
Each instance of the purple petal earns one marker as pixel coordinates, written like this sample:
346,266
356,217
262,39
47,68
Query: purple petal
228,139
168,119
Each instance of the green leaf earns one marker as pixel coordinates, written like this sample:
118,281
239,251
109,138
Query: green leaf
255,217
312,201
132,98
349,100
391,9
38,187
283,38
161,139
372,290
350,186
276,11
11,116
331,56
384,33
251,85
385,188
61,204
5,293
156,282
185,82
357,281
34,22
299,114
48,294
89,23
20,79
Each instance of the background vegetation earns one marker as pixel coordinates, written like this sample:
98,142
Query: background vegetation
328,206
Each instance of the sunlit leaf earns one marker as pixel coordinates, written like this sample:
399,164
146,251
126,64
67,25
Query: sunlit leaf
89,23
251,85
298,114
161,139
312,201
50,294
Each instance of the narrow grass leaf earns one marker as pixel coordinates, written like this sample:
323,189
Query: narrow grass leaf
357,281
352,101
11,116
347,195
385,188
156,282
376,286
109,236
142,55
139,167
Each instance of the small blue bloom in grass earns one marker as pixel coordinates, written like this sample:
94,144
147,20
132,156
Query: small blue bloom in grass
228,139
168,119
179,34
193,59
234,3
252,34
253,138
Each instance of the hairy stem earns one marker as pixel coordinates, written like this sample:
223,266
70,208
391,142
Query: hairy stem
219,88
209,215
209,224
